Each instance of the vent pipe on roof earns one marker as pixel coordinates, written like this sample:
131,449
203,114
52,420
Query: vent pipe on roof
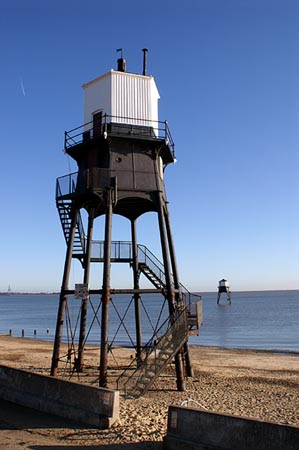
121,62
145,50
121,65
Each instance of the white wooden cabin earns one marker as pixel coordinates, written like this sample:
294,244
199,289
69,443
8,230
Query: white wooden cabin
124,97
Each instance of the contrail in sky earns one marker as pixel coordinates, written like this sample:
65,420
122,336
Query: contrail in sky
22,87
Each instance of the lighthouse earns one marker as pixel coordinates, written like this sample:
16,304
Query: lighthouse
121,151
223,287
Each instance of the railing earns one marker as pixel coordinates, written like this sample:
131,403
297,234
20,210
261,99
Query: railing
81,232
162,346
147,257
189,297
120,250
99,179
119,125
66,185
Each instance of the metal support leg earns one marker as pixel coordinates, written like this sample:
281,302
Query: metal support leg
137,295
63,296
170,291
185,350
84,305
106,293
218,297
188,362
172,253
165,254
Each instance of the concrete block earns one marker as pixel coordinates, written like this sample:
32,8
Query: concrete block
193,429
87,404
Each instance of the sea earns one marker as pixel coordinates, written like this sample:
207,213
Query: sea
259,320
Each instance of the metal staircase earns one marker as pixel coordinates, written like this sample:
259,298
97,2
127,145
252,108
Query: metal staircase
151,275
64,210
185,321
136,383
64,206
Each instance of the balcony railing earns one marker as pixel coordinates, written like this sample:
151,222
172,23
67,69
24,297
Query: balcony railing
120,250
66,185
99,179
119,126
123,250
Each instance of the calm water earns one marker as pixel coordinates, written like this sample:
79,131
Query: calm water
255,320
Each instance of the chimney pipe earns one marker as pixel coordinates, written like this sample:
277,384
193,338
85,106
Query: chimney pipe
121,62
121,65
145,50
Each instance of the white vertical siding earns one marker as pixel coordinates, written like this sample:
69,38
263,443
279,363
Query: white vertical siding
154,95
97,96
134,97
130,98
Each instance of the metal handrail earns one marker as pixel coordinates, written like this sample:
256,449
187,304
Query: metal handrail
81,231
174,332
97,177
189,297
66,184
70,181
152,262
120,250
160,130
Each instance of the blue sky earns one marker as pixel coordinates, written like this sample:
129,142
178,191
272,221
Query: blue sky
228,76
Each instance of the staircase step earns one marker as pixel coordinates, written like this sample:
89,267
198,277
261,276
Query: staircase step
148,376
165,357
64,209
151,275
166,348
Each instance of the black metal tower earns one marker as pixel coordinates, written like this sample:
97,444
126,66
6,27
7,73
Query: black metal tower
223,287
121,151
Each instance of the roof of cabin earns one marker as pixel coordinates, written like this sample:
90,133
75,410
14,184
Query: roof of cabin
135,75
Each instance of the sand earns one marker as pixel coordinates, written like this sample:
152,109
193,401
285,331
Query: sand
252,384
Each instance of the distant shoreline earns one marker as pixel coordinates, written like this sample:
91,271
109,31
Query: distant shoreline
7,294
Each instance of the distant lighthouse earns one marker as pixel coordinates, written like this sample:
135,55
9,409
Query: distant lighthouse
223,286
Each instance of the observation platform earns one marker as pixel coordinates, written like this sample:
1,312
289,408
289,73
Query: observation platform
123,128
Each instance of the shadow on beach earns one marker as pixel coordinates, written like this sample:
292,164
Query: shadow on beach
132,446
15,417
